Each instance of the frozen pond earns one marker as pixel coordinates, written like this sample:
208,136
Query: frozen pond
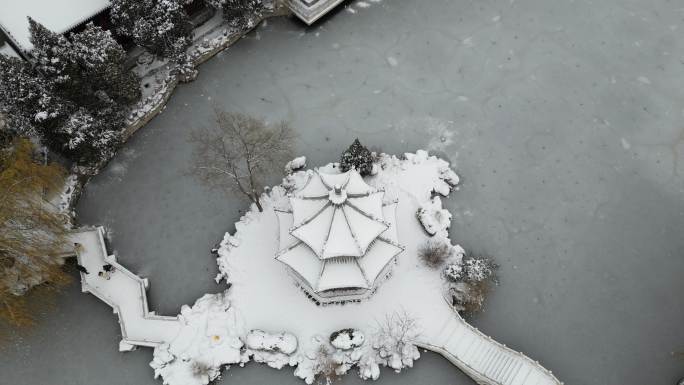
565,121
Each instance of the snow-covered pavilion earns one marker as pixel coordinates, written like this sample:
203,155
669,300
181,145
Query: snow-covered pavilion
59,16
339,237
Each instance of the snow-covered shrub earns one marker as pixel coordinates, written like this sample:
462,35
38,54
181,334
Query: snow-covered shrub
317,363
357,157
346,339
470,282
477,269
242,14
394,340
187,71
454,272
434,252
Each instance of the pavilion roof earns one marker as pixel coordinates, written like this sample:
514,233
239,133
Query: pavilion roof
57,15
339,233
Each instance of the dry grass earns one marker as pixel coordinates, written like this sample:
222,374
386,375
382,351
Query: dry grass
477,293
434,253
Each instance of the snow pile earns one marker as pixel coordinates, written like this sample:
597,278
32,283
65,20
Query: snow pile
280,342
272,349
419,175
208,340
433,217
295,164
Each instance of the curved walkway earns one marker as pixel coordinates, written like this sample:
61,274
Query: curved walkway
124,291
485,360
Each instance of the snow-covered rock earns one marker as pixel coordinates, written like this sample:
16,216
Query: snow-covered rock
433,217
295,164
346,339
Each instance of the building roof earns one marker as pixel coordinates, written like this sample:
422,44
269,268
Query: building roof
57,15
339,233
311,10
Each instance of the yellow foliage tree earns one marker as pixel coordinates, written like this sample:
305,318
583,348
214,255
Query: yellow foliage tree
33,233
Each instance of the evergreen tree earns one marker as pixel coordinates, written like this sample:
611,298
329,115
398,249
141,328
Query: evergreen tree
32,232
216,4
357,157
76,94
91,62
27,99
101,61
51,54
161,26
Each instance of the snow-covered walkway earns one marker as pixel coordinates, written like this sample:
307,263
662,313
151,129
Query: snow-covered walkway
482,358
124,291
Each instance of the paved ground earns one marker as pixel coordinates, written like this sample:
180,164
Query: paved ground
565,120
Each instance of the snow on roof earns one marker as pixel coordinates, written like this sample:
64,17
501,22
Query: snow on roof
57,15
377,258
346,227
302,260
342,272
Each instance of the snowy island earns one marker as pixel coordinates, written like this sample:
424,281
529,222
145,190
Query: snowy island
337,258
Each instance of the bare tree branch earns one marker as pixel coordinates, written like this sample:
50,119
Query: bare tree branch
237,152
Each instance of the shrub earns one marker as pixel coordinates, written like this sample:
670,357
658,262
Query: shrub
471,281
479,269
433,253
357,157
200,369
242,14
325,366
454,272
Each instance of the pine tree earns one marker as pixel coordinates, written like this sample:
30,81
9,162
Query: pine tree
32,233
52,54
242,13
101,61
83,92
27,99
216,4
161,26
357,157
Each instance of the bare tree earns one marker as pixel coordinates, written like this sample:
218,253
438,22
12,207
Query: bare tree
395,340
238,150
397,330
32,233
325,366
